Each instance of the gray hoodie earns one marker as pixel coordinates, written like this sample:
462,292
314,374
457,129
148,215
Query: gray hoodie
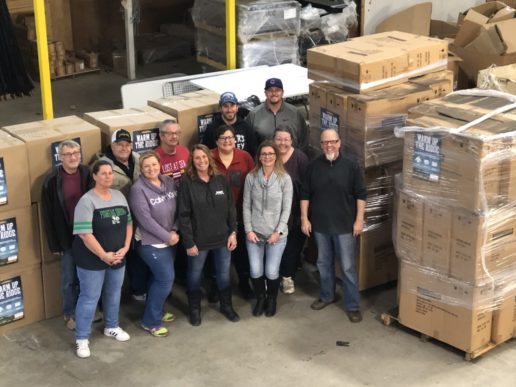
267,204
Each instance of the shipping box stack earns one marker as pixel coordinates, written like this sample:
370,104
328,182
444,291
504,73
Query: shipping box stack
456,220
21,289
364,88
267,32
193,111
40,140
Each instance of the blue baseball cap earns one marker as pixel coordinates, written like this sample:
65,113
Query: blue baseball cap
228,97
273,82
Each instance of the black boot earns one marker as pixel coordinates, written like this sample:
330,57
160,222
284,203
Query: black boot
272,295
243,286
194,307
259,291
213,292
226,307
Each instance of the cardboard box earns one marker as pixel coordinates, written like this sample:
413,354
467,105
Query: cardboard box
474,168
51,273
46,255
437,230
498,78
14,173
142,123
415,19
19,241
409,227
448,310
42,139
375,61
193,111
482,246
504,316
21,298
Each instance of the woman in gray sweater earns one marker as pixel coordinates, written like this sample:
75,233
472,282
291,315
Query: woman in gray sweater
153,203
266,208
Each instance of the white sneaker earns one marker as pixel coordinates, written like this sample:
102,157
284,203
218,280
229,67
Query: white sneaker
139,297
83,348
287,285
117,333
70,323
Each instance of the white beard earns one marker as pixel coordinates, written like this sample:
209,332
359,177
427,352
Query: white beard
330,156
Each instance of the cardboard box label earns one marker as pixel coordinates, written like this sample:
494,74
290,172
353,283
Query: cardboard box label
3,183
329,120
202,123
8,241
54,151
11,300
144,140
426,160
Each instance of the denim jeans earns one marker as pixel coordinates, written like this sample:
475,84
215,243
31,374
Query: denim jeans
161,265
138,272
273,255
222,259
69,283
92,284
343,247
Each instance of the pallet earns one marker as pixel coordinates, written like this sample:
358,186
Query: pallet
75,74
210,62
390,317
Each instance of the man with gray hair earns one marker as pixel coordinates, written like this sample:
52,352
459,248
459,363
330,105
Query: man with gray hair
332,207
62,189
174,157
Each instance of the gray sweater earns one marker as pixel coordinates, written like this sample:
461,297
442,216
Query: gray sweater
267,204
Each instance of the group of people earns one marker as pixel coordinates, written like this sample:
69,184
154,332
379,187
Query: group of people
248,195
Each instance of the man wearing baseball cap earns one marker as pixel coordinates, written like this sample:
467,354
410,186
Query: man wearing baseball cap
276,112
245,138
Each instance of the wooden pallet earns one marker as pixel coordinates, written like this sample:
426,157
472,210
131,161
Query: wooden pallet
75,74
391,317
211,62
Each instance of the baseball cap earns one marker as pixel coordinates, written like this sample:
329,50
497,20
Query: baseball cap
121,135
273,82
228,97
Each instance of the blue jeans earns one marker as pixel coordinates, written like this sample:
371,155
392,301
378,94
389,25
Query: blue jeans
343,247
93,283
222,260
273,255
69,283
138,272
161,265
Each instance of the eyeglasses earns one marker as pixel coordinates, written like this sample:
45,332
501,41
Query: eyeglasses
268,154
227,138
71,154
171,134
330,142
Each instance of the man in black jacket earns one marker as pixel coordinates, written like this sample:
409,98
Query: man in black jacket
245,137
62,189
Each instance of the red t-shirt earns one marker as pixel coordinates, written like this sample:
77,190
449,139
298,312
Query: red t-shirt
240,166
174,165
72,192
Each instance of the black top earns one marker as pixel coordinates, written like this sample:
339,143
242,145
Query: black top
296,167
333,189
207,212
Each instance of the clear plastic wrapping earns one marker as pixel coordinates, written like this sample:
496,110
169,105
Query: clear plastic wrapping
255,18
498,78
338,27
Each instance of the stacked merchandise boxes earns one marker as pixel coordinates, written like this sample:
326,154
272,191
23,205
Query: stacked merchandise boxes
364,88
267,32
456,223
37,142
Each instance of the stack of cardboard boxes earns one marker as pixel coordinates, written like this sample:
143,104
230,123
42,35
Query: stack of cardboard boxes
456,227
363,88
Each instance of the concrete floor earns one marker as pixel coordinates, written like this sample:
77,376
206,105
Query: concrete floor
295,348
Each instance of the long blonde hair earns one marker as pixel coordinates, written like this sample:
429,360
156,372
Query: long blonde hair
212,168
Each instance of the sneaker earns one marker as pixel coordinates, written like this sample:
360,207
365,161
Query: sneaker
287,285
354,316
83,348
70,322
319,304
168,317
139,297
156,332
98,316
117,333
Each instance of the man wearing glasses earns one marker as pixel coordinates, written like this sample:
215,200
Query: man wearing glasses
62,189
245,137
174,157
332,207
274,112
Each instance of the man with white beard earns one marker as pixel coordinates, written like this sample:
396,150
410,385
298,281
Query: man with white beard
332,207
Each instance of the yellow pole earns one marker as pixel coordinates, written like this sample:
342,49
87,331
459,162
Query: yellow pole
230,35
44,68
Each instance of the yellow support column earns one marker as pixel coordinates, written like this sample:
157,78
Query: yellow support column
230,35
44,68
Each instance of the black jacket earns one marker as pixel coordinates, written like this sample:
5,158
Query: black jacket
207,212
246,137
58,228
